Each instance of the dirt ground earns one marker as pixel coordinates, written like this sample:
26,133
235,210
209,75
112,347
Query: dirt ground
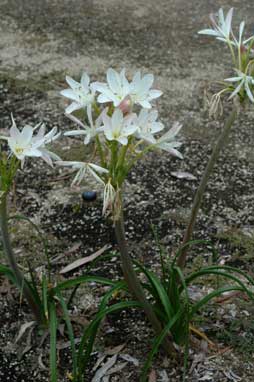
41,42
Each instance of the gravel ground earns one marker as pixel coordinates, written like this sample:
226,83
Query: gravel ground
43,41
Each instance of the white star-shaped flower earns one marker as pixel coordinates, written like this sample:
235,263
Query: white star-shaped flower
119,128
141,92
88,131
84,168
147,124
222,27
24,144
245,81
167,141
116,88
82,94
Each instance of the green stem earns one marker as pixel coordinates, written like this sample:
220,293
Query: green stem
101,152
202,186
113,161
21,282
232,52
139,156
134,284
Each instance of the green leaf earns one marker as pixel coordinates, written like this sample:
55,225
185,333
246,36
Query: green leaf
8,273
82,279
90,341
45,296
210,271
211,295
70,333
159,291
53,331
157,344
90,331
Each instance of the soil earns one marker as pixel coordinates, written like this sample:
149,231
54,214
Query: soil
40,43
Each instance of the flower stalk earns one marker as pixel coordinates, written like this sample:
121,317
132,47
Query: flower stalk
134,284
20,279
202,186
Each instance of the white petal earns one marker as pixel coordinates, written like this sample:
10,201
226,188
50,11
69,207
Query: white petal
74,133
247,88
89,115
51,135
122,140
241,28
237,89
114,81
117,119
99,169
209,32
14,131
154,94
85,80
32,152
229,20
72,107
41,132
71,94
145,104
26,135
233,79
72,83
247,40
146,82
102,98
76,120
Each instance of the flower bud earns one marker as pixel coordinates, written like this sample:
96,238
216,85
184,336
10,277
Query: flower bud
126,105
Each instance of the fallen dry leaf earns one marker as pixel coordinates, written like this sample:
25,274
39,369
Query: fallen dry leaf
78,263
100,373
183,175
114,350
152,376
23,329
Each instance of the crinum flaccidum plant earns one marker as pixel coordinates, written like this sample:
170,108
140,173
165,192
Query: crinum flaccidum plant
241,85
124,126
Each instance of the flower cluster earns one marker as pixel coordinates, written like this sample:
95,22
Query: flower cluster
119,119
122,122
241,50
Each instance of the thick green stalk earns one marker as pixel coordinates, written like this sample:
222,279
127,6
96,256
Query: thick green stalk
135,286
13,264
101,152
202,186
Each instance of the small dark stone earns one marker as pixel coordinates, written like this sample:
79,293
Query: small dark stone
89,196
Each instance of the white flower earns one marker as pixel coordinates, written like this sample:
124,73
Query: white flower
119,128
244,81
89,131
23,144
141,92
82,94
167,141
116,89
222,27
84,168
147,124
109,195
